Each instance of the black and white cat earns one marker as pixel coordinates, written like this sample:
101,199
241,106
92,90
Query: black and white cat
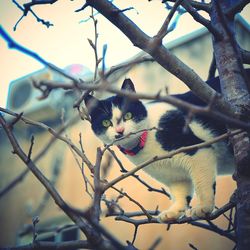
116,117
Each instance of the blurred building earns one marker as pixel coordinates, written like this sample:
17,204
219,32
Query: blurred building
19,206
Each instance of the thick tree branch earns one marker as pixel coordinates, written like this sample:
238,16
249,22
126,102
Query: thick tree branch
235,90
163,56
231,71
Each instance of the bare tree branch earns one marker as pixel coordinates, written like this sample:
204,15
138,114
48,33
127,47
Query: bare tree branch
236,8
159,53
197,17
169,155
27,9
134,201
128,217
54,133
95,209
92,235
28,6
169,99
14,45
22,175
164,28
197,5
150,188
141,40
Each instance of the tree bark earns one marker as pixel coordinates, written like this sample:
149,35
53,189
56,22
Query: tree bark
234,88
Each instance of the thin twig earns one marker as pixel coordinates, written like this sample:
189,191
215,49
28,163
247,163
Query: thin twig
54,133
137,177
134,201
197,5
164,28
14,45
96,206
90,228
230,119
169,155
31,147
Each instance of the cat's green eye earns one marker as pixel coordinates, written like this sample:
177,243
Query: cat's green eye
128,116
106,123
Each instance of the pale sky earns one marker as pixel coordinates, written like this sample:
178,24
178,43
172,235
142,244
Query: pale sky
66,42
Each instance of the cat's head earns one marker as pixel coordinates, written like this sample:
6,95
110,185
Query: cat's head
117,116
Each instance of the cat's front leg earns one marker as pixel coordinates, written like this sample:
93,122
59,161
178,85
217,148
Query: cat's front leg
203,174
181,194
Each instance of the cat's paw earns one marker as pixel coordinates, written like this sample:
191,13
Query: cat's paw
170,215
201,211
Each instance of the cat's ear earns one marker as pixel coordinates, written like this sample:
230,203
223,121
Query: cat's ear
90,102
128,85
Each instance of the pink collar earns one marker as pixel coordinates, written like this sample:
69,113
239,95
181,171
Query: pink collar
138,147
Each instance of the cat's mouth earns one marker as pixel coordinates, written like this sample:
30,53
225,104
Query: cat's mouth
119,136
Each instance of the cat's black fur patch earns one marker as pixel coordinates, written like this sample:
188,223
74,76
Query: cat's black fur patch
137,109
208,122
101,111
172,136
188,199
214,187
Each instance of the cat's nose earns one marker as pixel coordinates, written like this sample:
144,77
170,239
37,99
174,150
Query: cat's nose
118,136
119,131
